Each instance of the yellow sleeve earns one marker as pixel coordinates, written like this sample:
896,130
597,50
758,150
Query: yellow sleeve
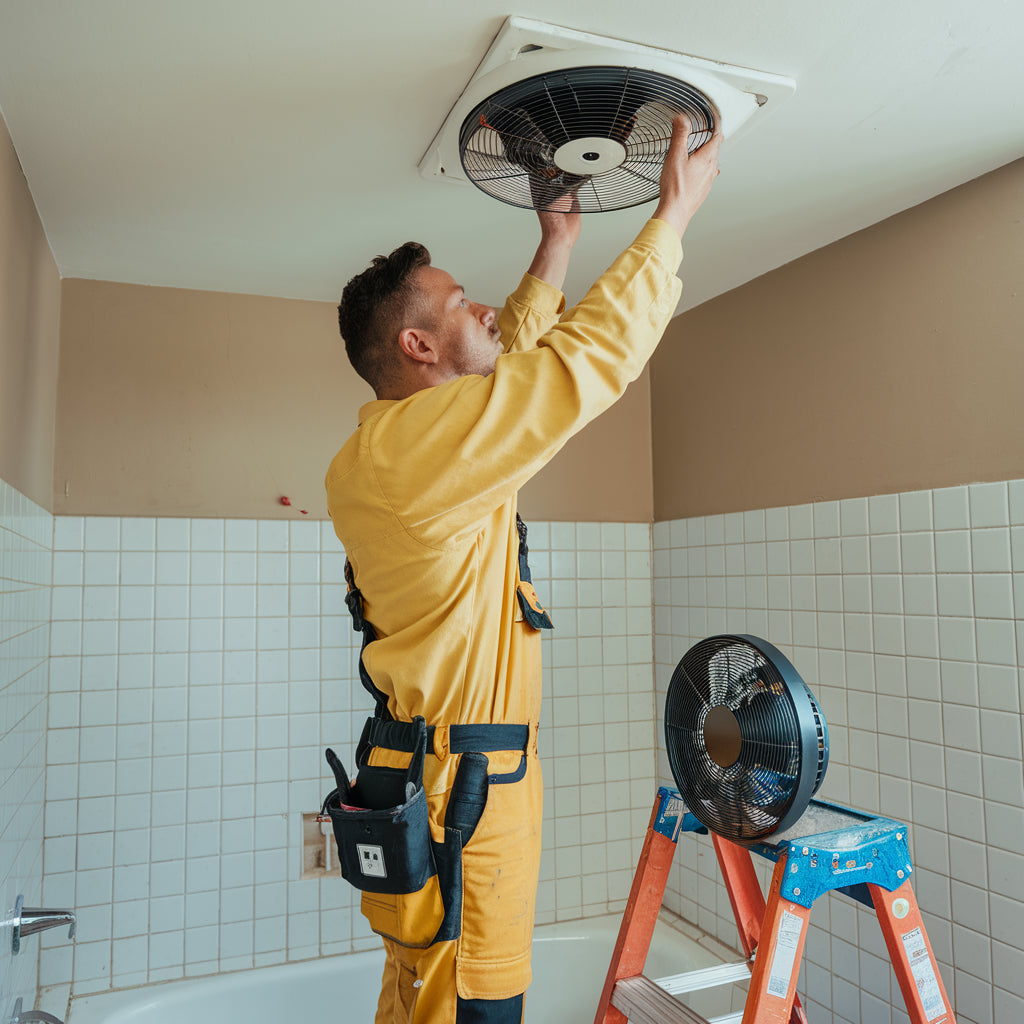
447,456
529,312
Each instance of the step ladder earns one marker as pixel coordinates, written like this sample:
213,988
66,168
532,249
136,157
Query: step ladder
831,847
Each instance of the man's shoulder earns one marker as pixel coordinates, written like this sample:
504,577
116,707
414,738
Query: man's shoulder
342,463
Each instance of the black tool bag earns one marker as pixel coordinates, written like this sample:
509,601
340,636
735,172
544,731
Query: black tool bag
380,823
387,847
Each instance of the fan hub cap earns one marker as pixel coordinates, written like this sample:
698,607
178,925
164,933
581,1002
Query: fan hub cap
722,737
590,155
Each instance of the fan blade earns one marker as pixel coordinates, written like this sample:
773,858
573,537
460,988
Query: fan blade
527,145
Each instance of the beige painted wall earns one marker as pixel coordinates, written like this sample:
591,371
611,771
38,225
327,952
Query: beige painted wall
604,473
190,403
29,336
889,361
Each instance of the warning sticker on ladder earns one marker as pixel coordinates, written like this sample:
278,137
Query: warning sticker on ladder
924,974
781,972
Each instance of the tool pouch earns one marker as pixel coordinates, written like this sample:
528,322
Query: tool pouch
380,823
387,847
465,808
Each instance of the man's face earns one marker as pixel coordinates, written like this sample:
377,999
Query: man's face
465,332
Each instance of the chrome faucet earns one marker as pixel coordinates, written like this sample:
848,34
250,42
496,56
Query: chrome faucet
29,920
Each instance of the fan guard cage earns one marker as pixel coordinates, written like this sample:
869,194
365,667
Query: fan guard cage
746,741
597,132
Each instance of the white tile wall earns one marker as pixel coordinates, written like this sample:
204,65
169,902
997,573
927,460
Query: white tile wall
903,613
597,734
25,563
200,667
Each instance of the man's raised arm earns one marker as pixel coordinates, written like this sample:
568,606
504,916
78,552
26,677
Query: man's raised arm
686,179
559,230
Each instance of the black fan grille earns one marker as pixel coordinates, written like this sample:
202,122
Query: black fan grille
508,143
746,799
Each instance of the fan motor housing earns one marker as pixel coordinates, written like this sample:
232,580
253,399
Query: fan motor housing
746,740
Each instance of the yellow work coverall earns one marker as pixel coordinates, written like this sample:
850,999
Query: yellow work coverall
423,499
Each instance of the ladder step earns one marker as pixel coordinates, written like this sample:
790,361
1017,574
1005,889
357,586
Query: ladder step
729,1018
644,1002
705,977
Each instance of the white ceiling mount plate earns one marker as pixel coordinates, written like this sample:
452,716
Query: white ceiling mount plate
523,48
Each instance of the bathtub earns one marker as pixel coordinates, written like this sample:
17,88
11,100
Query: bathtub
570,961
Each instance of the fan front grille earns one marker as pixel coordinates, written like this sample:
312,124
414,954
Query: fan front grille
514,144
746,799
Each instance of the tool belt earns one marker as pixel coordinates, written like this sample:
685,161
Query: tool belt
381,821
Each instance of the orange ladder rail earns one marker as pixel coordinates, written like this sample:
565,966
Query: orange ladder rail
831,847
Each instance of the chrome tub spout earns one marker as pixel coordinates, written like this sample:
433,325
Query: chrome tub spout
29,920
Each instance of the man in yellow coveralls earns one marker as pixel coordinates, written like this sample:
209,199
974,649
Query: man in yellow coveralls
471,404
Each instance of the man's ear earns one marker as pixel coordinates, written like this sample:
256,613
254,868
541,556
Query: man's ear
418,344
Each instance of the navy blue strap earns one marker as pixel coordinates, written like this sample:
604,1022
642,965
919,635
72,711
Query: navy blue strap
462,739
485,738
354,600
524,551
534,614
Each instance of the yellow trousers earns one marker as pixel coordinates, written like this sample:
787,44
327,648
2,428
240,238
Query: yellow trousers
431,983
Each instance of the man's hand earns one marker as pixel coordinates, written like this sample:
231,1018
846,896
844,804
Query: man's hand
561,220
686,178
559,229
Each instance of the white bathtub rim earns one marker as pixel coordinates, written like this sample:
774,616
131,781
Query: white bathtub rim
189,987
98,1007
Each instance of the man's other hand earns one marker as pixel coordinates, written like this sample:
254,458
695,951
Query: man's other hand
562,220
560,227
686,178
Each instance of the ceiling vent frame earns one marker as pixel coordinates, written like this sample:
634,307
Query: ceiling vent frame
524,48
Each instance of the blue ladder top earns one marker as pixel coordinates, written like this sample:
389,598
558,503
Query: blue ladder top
829,847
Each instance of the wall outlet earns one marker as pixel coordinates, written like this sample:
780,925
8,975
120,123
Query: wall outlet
319,853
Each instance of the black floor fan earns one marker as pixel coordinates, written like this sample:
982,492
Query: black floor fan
746,741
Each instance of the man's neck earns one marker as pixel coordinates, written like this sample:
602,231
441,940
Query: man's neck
397,390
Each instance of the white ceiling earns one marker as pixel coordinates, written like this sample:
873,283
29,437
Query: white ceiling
271,147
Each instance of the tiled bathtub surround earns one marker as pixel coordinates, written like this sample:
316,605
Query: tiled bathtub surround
200,667
904,615
25,533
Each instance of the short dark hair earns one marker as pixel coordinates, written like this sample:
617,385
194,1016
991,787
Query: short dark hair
373,309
